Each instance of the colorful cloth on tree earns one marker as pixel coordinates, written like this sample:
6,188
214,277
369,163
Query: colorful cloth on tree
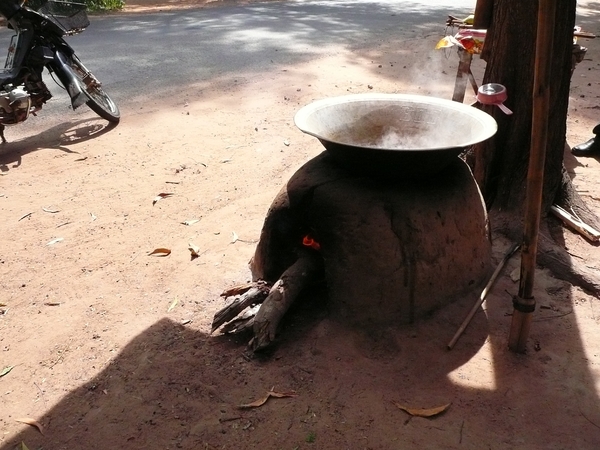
468,39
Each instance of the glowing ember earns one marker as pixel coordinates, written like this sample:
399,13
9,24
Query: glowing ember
308,241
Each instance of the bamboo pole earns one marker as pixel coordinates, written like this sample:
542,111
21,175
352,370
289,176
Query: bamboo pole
524,303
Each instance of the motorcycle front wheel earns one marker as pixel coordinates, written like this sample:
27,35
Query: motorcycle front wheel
99,101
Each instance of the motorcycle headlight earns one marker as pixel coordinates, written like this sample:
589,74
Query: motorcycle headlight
19,100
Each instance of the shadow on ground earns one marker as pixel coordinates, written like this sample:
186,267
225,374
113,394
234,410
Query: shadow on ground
56,137
175,387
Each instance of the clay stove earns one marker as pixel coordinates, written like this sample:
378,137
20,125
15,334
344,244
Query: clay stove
388,215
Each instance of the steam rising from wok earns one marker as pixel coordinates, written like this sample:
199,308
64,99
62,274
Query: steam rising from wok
394,133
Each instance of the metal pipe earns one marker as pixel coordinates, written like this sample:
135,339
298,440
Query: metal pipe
479,302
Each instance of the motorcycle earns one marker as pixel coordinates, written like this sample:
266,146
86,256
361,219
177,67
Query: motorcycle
39,43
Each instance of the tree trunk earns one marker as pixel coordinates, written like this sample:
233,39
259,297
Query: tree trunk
501,163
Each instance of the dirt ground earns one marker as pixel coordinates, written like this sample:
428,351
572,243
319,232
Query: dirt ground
110,347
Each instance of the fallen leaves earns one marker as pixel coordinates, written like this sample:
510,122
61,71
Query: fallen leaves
427,412
55,241
50,209
237,290
6,371
161,251
161,196
32,422
268,395
173,305
194,250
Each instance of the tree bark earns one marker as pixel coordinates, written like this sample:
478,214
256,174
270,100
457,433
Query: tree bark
249,295
281,296
501,163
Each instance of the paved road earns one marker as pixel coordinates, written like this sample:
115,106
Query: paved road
136,55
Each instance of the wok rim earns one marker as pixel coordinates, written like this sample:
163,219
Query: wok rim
489,124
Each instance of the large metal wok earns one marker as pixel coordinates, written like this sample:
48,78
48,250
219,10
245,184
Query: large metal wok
394,134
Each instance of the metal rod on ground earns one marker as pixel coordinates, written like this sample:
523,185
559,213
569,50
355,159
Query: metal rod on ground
524,303
479,302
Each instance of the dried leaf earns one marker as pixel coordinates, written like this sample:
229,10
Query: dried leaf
3,304
32,422
428,412
49,209
55,241
190,222
161,196
160,252
25,216
93,217
194,250
237,290
226,160
23,446
282,394
173,304
234,237
256,403
6,370
263,400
